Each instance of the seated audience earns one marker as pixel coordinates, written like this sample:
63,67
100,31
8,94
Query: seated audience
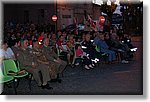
64,50
7,52
59,65
28,62
99,41
115,45
89,48
86,60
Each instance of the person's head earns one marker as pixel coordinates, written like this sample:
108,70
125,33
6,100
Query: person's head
53,36
4,45
114,36
64,34
87,37
24,43
78,39
49,35
101,36
46,41
78,46
59,33
16,43
35,44
61,38
125,35
71,37
106,36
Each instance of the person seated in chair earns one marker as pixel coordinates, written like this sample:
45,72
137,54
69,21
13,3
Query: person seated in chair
28,62
16,47
116,46
89,48
7,51
86,60
64,50
59,65
100,42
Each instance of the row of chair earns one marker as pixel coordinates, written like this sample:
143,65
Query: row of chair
103,55
10,74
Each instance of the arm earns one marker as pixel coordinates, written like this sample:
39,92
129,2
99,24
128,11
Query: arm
24,60
43,62
45,52
60,47
11,54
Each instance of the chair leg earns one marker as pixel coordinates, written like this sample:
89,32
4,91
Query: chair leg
14,87
29,81
18,80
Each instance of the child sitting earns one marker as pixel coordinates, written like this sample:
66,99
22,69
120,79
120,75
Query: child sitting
86,60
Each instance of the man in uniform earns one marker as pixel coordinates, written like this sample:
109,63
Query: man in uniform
15,48
41,59
28,63
59,65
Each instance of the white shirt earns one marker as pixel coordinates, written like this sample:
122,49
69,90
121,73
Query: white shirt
8,54
1,53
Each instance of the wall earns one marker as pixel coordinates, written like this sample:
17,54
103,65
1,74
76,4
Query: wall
16,12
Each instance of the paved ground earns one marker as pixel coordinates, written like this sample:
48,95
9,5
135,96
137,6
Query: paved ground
104,79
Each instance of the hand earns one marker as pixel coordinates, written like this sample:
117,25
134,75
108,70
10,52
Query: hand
22,71
58,58
58,61
46,62
71,53
33,66
17,55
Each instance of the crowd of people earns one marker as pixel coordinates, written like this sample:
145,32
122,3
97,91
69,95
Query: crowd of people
49,53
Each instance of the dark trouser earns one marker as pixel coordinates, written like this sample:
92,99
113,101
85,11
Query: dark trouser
122,52
56,68
92,53
35,71
86,61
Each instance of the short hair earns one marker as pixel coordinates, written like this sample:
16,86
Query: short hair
4,42
76,46
15,41
35,41
22,41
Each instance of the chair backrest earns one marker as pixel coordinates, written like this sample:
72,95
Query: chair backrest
1,73
97,49
58,51
9,65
